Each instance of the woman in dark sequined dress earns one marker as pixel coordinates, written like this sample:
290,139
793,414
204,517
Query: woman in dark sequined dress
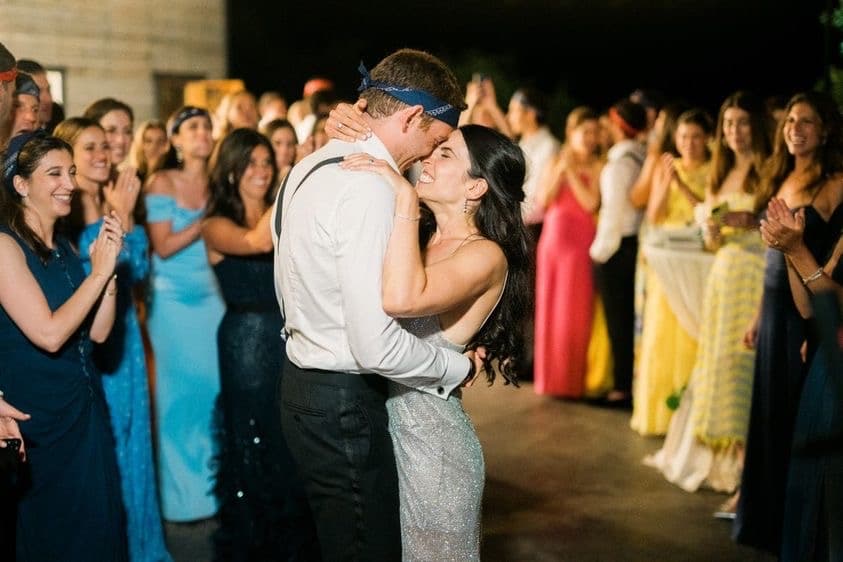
263,511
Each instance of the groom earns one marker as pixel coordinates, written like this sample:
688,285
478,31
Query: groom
331,229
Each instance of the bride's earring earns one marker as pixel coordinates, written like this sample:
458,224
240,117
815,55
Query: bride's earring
465,207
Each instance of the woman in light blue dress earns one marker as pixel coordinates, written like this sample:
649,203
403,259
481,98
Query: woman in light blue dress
121,358
184,313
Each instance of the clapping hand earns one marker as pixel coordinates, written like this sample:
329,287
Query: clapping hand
666,172
782,229
473,93
122,194
106,247
488,96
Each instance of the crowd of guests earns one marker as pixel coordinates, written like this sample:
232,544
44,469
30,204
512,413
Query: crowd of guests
124,243
676,257
667,251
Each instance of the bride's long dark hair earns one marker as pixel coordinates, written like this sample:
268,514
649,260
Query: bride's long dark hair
499,161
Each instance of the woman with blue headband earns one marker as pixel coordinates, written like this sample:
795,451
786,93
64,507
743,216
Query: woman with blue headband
51,313
122,358
184,313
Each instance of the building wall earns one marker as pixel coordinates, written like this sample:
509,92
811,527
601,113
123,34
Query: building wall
115,48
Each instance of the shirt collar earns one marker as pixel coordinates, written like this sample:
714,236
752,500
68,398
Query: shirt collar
373,145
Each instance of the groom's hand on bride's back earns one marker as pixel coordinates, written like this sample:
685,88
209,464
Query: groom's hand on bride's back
476,356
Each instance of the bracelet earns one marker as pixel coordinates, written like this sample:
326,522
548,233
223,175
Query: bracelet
813,277
413,219
114,292
1,395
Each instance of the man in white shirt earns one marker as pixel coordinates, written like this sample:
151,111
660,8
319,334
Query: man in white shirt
526,116
615,247
331,237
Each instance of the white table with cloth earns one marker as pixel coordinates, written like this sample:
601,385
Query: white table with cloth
682,266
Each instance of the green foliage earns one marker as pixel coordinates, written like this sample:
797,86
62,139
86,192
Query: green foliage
832,82
836,84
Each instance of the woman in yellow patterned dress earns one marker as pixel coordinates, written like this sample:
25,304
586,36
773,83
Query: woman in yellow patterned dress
723,371
667,350
705,440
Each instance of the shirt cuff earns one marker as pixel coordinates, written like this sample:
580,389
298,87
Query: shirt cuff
455,373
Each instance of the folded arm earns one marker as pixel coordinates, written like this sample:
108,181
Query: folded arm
226,237
377,342
24,301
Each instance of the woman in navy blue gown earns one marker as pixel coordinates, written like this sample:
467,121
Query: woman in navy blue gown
804,172
50,315
263,511
813,517
121,360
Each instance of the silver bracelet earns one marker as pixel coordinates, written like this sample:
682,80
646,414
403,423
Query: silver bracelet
413,219
114,292
813,277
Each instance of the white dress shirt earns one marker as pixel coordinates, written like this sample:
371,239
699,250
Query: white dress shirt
618,218
328,267
538,149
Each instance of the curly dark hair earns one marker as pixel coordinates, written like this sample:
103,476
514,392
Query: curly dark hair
499,161
228,164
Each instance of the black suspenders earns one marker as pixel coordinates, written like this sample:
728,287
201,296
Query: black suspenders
280,208
280,205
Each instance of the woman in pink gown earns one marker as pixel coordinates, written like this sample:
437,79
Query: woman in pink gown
570,194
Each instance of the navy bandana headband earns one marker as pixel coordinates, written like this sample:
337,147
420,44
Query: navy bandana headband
185,114
10,162
432,105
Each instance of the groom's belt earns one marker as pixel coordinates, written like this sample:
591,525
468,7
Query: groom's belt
342,379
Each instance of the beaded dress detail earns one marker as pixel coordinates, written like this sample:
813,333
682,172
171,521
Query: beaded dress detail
440,465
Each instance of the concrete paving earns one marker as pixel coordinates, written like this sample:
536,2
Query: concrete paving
565,483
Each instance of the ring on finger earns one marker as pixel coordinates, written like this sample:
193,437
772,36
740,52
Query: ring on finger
371,160
340,126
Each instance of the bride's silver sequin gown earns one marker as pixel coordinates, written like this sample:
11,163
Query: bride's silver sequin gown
440,466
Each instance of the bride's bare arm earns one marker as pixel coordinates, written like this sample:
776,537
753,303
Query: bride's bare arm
409,288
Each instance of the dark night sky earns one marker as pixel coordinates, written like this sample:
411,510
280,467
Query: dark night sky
584,51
